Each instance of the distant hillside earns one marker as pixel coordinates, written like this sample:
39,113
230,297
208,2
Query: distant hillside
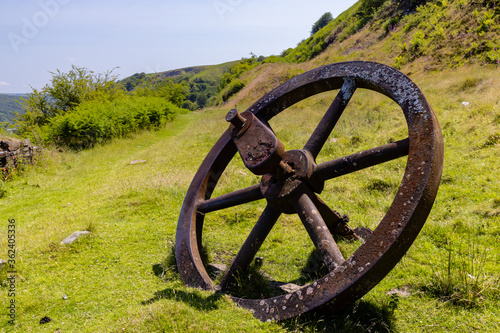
203,82
9,106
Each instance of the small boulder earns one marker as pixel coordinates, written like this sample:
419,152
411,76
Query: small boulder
285,287
138,162
74,236
10,145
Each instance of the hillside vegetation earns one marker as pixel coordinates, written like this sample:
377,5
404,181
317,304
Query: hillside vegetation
122,278
9,106
202,82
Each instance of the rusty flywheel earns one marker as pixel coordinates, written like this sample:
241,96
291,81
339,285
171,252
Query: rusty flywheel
292,181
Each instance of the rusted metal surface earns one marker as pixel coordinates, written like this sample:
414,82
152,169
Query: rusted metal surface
318,231
292,182
259,148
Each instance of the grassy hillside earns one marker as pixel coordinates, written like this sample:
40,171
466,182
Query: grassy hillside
121,278
441,34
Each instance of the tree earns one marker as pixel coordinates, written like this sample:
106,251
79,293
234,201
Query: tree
321,23
70,89
175,93
202,100
65,92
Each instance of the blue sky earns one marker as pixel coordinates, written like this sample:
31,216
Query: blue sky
40,36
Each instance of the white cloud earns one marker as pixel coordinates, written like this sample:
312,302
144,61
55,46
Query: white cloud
3,83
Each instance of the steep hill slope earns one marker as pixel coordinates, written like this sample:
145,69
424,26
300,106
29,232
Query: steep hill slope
443,33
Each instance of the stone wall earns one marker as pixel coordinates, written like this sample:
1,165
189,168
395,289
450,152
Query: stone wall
13,152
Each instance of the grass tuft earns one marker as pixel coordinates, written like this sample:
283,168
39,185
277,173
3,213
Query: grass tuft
462,278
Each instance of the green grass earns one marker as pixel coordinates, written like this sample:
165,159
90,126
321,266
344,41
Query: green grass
111,278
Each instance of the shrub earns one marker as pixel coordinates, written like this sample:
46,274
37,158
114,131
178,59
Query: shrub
65,92
417,42
485,19
391,24
154,86
99,121
233,88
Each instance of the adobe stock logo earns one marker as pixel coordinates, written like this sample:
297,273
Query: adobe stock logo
31,27
224,6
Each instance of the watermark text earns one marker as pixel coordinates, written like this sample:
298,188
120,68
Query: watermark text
222,7
31,26
11,271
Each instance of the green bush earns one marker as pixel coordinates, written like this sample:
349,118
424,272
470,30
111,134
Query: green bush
99,121
391,23
237,70
65,92
485,19
232,88
188,105
154,86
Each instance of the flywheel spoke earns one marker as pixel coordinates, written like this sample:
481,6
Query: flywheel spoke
239,197
318,231
331,217
329,120
335,222
371,157
252,244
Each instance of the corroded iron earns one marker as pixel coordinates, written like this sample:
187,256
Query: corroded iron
292,182
259,148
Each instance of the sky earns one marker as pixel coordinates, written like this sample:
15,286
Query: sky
38,37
